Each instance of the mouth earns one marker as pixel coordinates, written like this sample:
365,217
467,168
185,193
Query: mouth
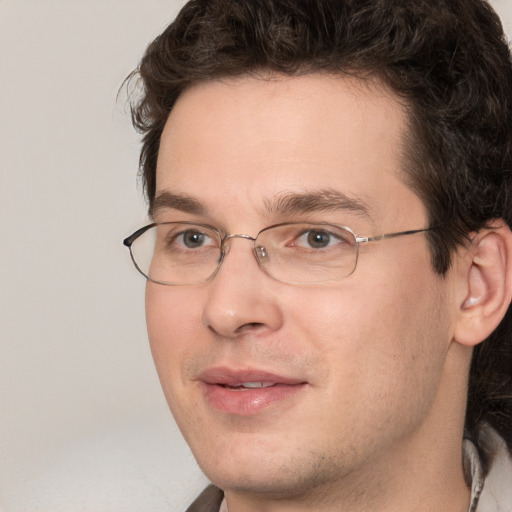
249,385
246,393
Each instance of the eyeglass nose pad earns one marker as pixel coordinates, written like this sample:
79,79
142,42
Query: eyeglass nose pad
261,252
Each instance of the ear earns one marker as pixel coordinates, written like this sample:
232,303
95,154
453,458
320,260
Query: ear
488,286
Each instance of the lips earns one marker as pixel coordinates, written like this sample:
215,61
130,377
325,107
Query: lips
247,392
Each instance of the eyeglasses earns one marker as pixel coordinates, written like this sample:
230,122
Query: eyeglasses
181,253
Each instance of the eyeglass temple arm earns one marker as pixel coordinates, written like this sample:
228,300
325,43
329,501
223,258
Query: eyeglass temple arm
392,235
129,240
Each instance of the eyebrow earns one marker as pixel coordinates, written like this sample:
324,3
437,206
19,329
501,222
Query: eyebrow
321,201
284,205
182,203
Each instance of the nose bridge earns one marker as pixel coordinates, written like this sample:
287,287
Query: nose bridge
239,235
236,303
226,247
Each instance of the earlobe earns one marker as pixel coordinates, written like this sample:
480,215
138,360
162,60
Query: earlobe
488,284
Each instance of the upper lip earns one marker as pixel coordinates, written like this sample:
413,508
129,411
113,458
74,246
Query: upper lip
233,377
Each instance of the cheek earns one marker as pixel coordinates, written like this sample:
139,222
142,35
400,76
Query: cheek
172,318
378,337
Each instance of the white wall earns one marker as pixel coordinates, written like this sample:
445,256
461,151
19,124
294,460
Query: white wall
83,423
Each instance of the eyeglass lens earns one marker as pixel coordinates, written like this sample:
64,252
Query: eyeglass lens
183,253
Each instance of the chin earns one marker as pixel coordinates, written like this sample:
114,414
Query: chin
292,472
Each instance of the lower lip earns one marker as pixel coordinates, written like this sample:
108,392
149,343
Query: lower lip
249,401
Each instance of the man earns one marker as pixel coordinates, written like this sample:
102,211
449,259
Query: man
329,262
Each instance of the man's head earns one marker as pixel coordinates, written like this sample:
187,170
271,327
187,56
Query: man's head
260,112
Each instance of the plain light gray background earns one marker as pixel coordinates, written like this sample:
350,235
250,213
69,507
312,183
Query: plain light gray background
83,423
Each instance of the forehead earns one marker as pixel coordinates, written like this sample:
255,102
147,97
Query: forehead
252,139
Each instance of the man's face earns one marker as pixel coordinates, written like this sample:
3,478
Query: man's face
358,364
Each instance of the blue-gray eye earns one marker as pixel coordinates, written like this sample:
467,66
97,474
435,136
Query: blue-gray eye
318,239
193,239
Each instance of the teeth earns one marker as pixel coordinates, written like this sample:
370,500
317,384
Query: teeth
256,384
250,385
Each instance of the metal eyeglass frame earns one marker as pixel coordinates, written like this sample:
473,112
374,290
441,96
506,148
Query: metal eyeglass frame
128,242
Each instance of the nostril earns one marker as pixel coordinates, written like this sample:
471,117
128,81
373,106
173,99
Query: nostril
251,326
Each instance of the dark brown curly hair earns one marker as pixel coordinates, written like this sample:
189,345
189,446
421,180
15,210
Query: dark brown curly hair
447,60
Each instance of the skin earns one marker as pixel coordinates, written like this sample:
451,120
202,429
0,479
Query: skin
378,426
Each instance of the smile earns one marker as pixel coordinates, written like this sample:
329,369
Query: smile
247,393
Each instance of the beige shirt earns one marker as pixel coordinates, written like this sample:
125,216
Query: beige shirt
494,494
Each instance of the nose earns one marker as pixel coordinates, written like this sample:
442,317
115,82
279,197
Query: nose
242,299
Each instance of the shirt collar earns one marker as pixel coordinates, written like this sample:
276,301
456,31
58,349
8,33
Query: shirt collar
473,472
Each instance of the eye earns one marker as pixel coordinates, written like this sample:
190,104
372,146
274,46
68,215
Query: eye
185,238
192,239
317,239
